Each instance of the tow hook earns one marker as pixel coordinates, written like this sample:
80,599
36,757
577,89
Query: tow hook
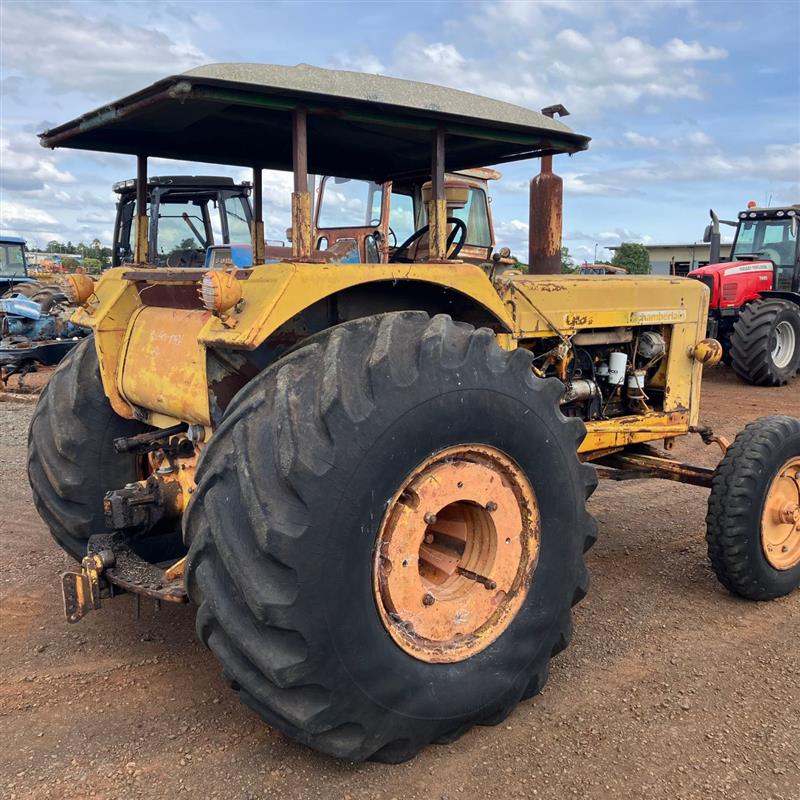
111,564
81,590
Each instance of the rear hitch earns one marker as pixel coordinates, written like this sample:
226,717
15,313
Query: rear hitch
111,564
82,590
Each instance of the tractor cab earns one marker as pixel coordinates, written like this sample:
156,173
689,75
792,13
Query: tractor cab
13,264
349,213
188,214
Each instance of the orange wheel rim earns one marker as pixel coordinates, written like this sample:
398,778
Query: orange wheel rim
456,552
780,522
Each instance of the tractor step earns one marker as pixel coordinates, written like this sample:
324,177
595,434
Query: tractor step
111,563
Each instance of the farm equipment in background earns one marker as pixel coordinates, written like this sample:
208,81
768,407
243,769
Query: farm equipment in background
187,214
35,317
367,463
14,276
34,333
755,297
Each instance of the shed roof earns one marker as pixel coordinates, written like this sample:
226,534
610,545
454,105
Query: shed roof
359,125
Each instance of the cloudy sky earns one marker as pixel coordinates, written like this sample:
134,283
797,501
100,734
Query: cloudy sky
690,104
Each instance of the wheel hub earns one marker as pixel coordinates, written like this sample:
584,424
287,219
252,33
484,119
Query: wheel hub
784,346
780,524
455,553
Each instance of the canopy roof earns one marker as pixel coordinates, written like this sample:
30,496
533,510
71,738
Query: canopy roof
359,125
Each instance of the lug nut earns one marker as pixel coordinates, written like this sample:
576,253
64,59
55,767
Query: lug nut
428,599
430,518
491,506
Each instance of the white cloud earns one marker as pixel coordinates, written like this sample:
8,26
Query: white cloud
678,50
78,51
359,62
24,166
14,214
512,233
589,71
590,184
638,140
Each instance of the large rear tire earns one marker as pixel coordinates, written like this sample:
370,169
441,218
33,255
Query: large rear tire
753,522
765,345
299,485
27,289
71,458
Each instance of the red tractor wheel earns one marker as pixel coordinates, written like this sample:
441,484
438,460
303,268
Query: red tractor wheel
765,346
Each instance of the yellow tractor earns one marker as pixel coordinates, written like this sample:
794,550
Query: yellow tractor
370,473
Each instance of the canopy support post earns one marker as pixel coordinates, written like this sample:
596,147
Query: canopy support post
437,212
257,232
140,254
301,197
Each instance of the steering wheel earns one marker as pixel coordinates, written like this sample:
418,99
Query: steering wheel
459,229
374,221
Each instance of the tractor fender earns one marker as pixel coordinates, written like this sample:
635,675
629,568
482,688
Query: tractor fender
774,294
274,294
164,357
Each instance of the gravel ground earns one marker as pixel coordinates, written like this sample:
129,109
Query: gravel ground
671,688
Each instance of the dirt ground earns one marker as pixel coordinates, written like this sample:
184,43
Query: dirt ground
670,689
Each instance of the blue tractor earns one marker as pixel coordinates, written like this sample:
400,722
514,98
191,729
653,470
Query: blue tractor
14,268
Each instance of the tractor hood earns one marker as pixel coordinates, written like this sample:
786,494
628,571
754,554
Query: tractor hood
734,283
729,268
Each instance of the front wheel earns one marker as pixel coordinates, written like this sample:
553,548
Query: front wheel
753,523
387,536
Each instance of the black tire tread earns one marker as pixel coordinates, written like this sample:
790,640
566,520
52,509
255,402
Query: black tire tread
347,369
71,462
750,354
731,501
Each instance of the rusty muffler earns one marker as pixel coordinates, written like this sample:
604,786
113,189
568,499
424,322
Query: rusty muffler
546,210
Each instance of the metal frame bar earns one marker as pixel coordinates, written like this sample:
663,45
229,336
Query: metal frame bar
140,253
437,212
301,197
635,466
257,227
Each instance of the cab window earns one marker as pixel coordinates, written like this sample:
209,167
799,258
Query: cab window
401,217
475,215
12,260
179,227
349,203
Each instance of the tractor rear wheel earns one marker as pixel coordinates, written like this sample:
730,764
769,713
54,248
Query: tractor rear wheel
387,536
753,523
48,296
71,458
765,345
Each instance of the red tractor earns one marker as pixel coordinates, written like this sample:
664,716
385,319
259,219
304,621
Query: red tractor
755,297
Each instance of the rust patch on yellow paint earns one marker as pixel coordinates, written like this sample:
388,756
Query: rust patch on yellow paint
164,365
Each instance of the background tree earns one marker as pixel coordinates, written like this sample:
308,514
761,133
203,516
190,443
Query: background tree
632,257
567,262
91,265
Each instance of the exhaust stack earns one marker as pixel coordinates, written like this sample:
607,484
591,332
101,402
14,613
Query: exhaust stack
546,213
